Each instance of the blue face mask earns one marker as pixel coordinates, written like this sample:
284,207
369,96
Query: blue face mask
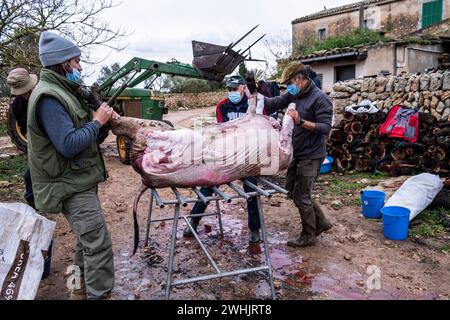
74,76
235,97
293,89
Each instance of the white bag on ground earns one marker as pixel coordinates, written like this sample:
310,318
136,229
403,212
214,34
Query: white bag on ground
25,238
417,193
366,106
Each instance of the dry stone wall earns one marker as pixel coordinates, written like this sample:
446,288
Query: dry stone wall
428,93
177,101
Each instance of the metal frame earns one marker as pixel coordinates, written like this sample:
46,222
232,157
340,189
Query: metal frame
217,197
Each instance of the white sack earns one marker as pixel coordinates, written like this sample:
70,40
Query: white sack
417,193
25,237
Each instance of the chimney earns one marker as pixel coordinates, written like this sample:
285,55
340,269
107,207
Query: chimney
361,15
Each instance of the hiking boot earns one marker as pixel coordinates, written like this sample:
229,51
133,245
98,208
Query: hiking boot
254,237
187,233
303,241
323,228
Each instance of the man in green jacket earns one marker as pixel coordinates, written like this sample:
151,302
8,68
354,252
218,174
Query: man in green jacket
66,164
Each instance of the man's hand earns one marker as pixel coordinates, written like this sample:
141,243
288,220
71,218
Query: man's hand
294,115
103,114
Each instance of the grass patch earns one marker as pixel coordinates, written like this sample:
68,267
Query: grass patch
431,226
356,202
342,187
367,175
446,248
3,130
11,172
12,169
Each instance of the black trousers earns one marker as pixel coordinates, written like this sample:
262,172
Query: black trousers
254,224
28,195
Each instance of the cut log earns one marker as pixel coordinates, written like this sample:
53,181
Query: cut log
348,116
362,117
356,127
358,145
441,154
361,165
337,136
398,154
350,138
409,152
339,166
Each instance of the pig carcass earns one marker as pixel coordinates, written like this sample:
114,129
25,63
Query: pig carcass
254,145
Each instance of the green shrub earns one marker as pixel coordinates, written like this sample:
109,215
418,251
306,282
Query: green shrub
351,39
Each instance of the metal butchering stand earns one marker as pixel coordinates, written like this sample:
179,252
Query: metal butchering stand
218,196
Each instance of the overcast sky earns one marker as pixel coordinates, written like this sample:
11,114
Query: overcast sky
163,29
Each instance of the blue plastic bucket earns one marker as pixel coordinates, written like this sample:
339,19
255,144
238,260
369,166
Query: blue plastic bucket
396,222
372,201
326,166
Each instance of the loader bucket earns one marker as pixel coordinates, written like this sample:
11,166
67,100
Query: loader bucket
213,61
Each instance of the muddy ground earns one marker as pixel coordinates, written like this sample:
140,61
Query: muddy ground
352,261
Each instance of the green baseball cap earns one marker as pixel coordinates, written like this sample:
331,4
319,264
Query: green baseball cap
234,81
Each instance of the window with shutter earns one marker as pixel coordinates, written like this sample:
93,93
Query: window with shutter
431,13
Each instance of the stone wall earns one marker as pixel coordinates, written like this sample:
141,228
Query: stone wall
182,101
4,105
429,93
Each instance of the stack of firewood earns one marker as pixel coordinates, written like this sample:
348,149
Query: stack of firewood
356,144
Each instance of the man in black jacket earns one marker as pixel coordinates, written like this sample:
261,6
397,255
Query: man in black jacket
22,84
313,116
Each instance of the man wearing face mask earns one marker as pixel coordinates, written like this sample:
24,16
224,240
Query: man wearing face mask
313,116
66,164
231,108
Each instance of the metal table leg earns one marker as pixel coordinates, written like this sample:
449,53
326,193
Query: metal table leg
219,216
172,250
181,201
266,245
149,219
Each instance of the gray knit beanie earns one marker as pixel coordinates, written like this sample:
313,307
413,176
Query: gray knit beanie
54,49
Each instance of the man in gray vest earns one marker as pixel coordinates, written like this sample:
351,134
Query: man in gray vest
66,164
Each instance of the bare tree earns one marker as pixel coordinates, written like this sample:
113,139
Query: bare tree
22,21
107,71
280,51
158,83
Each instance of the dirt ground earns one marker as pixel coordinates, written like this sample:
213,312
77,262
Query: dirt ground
352,261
